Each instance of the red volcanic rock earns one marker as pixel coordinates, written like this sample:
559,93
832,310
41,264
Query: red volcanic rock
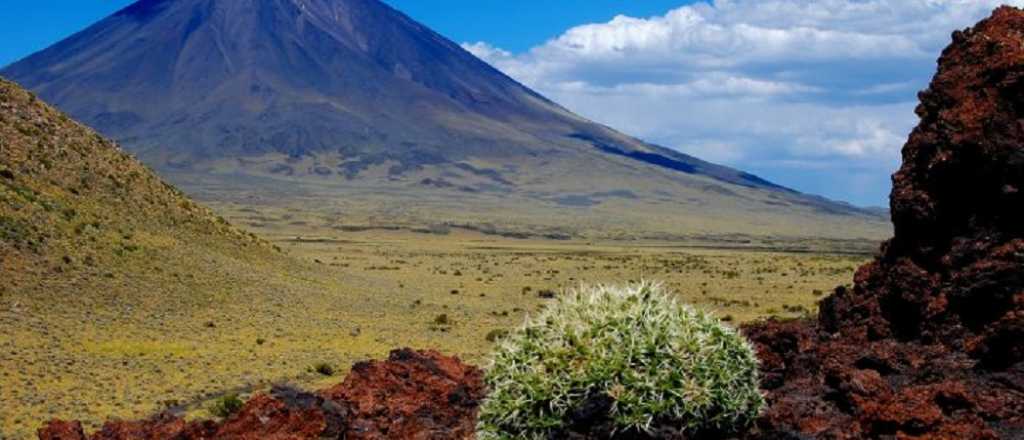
929,343
61,430
284,414
412,395
163,426
954,272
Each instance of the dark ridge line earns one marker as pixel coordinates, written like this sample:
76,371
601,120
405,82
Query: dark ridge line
745,179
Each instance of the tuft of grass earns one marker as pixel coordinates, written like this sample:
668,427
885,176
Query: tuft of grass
497,335
323,368
12,230
442,319
226,406
442,323
656,360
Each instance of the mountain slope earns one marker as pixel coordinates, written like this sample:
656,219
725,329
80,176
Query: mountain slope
70,198
99,258
343,94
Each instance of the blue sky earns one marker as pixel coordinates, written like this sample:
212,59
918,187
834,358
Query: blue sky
30,25
817,95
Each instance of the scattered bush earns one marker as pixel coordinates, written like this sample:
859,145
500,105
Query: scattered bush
497,335
226,406
324,369
442,323
13,230
654,361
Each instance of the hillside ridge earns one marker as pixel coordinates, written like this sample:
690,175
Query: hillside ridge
70,197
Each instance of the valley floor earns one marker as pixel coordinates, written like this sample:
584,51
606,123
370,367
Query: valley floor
353,296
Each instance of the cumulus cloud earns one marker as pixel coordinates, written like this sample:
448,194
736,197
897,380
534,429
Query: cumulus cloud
815,94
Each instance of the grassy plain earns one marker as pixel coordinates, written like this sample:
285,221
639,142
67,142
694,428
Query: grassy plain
174,341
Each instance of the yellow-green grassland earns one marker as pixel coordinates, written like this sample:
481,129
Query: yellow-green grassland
180,342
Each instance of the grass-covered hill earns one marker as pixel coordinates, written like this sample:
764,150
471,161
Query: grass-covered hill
97,256
73,202
115,285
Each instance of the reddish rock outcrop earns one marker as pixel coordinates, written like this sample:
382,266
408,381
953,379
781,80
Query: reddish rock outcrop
929,343
416,395
61,430
412,396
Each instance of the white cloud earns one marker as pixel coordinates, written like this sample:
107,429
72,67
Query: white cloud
485,51
774,86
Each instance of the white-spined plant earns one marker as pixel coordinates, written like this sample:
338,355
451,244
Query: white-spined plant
658,360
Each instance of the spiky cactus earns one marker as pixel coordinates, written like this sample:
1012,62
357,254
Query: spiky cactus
651,360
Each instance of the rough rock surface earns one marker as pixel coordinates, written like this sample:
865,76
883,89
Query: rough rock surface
411,397
929,343
419,395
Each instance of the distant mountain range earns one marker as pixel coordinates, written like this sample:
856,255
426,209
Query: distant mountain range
340,96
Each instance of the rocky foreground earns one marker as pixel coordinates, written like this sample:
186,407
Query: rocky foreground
929,343
412,395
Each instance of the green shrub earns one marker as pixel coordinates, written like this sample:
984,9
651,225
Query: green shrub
442,323
227,405
323,368
12,230
16,232
497,335
659,361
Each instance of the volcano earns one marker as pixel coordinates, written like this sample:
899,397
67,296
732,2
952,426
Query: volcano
343,97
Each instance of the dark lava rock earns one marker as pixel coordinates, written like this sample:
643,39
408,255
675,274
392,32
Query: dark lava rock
929,343
413,395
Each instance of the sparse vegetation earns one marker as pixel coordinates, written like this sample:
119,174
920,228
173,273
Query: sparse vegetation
323,368
442,323
227,405
344,319
654,358
497,335
13,231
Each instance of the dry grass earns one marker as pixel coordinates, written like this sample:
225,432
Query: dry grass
185,343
